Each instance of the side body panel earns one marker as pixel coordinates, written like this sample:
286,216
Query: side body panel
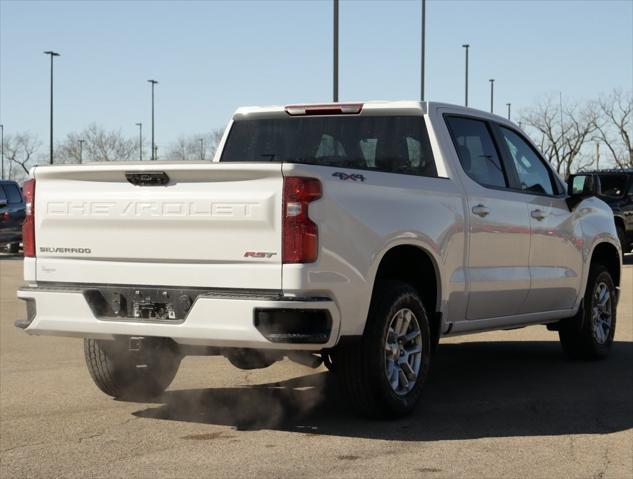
597,224
556,259
359,222
497,263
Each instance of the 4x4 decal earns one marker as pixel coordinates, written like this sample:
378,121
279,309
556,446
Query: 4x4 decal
353,177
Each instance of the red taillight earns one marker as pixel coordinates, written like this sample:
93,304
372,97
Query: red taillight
300,234
28,227
6,216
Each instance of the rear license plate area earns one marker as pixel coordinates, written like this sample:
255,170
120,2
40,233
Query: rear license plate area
140,304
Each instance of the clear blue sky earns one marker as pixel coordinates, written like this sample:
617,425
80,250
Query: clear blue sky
212,56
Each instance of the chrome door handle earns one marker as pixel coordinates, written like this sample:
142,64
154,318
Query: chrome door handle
538,214
481,210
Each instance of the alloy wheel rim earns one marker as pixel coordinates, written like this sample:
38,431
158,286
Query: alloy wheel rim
403,351
601,312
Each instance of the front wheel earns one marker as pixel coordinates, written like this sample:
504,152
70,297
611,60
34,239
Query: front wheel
589,334
384,372
122,373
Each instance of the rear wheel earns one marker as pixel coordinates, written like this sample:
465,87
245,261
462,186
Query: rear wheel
589,334
122,373
383,373
328,361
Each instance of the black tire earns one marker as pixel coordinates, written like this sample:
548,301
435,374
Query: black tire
140,375
328,361
362,366
578,335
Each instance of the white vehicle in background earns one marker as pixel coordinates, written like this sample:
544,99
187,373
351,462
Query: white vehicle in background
357,234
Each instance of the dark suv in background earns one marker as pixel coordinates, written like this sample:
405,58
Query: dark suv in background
616,188
12,212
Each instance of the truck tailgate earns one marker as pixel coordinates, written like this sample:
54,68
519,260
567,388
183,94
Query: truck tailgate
212,225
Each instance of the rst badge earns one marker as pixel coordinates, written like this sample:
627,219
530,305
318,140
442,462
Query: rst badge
258,254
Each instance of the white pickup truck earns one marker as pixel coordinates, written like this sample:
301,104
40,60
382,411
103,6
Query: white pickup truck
355,234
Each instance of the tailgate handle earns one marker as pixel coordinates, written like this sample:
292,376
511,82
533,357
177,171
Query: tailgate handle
147,178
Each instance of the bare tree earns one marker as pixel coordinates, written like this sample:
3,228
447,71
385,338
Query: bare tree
180,149
98,145
614,126
195,147
20,150
562,134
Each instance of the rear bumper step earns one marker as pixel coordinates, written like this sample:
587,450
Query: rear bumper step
222,318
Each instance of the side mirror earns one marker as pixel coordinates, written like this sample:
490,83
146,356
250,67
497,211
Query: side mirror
580,187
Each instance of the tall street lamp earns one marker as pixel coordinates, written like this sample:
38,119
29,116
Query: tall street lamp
423,48
52,54
335,53
153,82
508,105
492,94
466,47
140,141
81,151
2,142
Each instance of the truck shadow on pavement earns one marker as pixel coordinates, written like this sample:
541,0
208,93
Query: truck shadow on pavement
484,389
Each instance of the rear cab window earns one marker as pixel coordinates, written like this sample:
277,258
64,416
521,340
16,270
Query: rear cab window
392,144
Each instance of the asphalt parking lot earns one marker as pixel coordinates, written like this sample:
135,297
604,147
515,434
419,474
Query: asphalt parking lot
503,404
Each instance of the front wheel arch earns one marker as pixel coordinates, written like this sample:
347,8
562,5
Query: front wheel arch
608,255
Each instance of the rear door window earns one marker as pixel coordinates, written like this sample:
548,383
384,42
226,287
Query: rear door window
12,194
476,151
394,144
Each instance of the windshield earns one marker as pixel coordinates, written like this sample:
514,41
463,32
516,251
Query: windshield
397,144
613,185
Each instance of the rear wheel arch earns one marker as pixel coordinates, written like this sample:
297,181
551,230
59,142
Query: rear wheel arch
414,265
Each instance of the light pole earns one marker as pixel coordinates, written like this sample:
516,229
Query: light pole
140,141
508,105
422,60
335,53
466,47
2,141
81,151
52,54
153,82
202,149
492,94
